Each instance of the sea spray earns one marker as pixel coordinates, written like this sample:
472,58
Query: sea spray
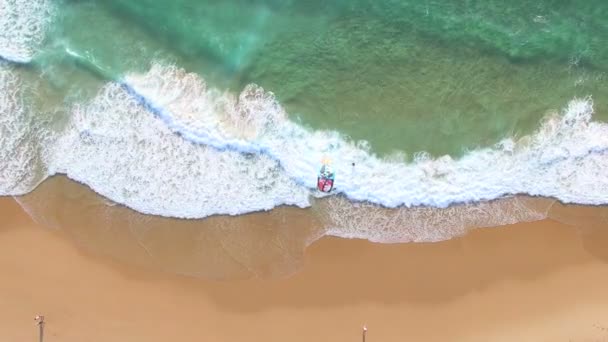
566,144
131,156
125,153
22,28
192,151
24,140
164,142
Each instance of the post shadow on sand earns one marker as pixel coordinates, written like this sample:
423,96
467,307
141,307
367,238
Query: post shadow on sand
270,246
40,323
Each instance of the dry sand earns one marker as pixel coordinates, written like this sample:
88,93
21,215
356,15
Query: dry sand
543,281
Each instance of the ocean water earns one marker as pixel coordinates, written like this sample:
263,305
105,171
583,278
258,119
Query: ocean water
190,109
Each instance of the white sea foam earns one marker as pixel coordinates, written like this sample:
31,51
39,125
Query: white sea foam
164,143
425,224
563,159
21,138
235,154
125,153
22,27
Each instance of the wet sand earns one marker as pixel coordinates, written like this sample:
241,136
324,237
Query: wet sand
543,281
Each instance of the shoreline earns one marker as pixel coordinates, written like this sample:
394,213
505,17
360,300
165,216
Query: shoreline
541,281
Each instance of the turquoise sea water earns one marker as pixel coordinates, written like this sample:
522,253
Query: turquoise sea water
435,76
190,108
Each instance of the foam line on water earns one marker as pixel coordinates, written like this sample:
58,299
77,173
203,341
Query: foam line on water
238,154
116,146
425,224
254,122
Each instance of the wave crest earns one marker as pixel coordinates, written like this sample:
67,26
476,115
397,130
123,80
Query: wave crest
552,162
125,153
165,143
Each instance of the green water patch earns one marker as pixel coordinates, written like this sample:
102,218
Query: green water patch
519,30
232,31
442,77
403,91
226,33
84,33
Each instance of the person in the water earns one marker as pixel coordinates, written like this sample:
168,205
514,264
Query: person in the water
325,180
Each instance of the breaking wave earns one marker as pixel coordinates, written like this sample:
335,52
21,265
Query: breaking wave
165,143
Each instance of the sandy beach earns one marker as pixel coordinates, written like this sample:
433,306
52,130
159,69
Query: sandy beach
542,281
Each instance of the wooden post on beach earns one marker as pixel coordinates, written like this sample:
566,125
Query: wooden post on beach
40,323
364,332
